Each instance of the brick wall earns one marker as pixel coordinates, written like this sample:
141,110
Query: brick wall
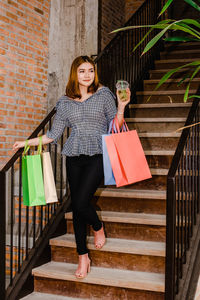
23,65
113,15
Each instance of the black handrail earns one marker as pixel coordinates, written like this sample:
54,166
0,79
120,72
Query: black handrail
118,61
183,202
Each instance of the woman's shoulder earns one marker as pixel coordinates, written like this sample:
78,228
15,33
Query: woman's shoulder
104,90
63,100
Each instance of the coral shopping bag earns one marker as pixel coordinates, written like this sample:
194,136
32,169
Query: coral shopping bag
127,157
49,183
32,178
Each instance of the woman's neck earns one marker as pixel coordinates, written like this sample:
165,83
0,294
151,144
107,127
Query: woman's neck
83,90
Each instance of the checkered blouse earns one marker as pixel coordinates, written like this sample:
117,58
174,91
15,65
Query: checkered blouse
88,120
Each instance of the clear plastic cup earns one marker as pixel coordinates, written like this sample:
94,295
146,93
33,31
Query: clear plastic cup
121,86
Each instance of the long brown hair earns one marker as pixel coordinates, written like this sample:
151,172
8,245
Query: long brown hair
72,88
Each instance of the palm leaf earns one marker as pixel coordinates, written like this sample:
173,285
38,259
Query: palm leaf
193,4
165,7
188,86
193,96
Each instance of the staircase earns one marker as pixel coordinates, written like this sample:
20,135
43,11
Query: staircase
131,265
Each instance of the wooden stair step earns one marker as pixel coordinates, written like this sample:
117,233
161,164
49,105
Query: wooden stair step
103,276
160,105
159,152
115,245
128,193
182,51
169,92
153,81
154,120
128,218
44,296
159,134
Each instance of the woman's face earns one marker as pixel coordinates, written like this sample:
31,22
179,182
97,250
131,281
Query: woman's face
85,73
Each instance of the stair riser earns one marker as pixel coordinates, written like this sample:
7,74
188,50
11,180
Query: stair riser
170,86
159,161
155,126
91,291
182,46
128,231
151,206
112,260
170,65
180,55
157,143
157,182
159,98
161,112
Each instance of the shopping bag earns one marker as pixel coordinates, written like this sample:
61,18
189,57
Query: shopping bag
32,178
127,157
49,183
108,173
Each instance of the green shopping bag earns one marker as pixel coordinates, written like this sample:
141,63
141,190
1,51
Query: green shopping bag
32,177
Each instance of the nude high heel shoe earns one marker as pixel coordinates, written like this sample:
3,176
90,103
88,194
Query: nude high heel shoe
83,266
99,238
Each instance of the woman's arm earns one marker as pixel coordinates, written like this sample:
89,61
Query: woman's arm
121,107
32,142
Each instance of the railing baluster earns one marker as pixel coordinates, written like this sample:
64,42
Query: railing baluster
3,234
11,224
20,215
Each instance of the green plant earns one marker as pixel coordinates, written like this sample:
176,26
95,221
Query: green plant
190,27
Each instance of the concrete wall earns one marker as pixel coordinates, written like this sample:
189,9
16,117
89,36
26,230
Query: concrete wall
73,32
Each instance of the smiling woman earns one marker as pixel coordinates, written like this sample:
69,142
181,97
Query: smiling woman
87,108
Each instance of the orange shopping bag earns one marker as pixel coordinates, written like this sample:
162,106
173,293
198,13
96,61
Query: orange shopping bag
127,157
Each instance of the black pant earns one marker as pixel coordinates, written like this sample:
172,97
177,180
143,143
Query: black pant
84,174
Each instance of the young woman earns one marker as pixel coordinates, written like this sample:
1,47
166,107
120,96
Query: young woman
87,108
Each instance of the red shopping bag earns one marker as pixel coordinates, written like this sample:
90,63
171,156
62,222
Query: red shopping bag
127,157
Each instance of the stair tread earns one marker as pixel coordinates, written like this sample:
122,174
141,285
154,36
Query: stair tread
44,296
159,134
172,60
130,193
170,80
115,245
167,70
103,276
160,105
159,152
182,51
130,218
167,92
143,120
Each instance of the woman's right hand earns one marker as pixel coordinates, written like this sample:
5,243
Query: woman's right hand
18,145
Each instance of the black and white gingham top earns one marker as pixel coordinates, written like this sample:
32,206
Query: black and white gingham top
88,120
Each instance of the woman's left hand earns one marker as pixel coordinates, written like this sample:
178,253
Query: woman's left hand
124,103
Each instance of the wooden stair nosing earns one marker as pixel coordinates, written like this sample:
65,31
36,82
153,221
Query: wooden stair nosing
149,81
130,193
161,105
128,218
160,152
103,276
167,70
181,51
138,247
159,134
167,92
155,120
44,296
174,60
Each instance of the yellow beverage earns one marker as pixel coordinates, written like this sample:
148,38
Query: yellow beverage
123,95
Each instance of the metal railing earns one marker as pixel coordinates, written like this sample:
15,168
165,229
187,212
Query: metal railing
118,61
183,206
25,231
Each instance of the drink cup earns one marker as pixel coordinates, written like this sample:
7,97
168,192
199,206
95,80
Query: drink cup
121,86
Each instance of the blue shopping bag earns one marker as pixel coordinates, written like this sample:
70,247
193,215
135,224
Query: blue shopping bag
109,178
